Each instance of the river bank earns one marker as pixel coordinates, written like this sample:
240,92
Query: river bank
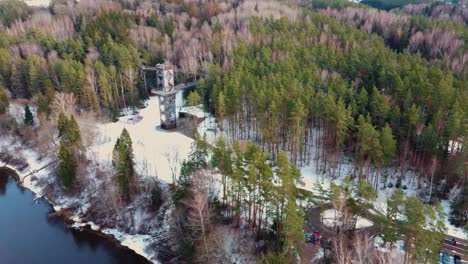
32,232
73,207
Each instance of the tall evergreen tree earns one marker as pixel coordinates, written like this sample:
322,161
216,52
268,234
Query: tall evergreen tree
379,107
122,161
193,99
67,165
388,144
62,123
72,132
221,110
4,99
293,228
28,116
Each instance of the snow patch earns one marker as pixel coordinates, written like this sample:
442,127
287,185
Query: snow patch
137,243
331,218
194,111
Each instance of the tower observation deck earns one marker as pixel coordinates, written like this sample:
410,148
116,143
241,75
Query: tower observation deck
166,91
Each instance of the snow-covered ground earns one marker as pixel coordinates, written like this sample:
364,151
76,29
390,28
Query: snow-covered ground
39,3
16,110
194,111
331,218
152,146
311,178
208,127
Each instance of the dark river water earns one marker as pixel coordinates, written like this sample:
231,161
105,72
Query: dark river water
29,235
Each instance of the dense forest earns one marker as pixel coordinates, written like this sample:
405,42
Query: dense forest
390,4
439,10
298,82
301,83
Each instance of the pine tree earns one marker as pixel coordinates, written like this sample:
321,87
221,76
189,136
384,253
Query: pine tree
394,203
293,228
390,226
122,161
365,194
28,116
379,107
72,132
388,144
455,127
369,147
362,101
296,120
199,152
67,165
221,110
4,99
221,159
43,105
193,99
33,74
105,91
62,123
423,228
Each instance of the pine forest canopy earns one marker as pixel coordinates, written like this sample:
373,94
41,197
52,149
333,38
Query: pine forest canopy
315,73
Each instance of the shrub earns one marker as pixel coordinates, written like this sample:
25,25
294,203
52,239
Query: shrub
156,198
398,183
187,249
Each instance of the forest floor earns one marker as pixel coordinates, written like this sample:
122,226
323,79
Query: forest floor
314,174
309,253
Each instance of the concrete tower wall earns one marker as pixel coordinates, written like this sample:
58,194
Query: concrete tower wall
167,95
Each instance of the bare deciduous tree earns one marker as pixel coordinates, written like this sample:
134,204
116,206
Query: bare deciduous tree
173,159
64,102
362,245
199,217
341,249
343,218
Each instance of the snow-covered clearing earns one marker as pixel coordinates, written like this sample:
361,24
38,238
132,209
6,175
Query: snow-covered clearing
194,111
16,110
152,146
209,128
331,218
40,3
